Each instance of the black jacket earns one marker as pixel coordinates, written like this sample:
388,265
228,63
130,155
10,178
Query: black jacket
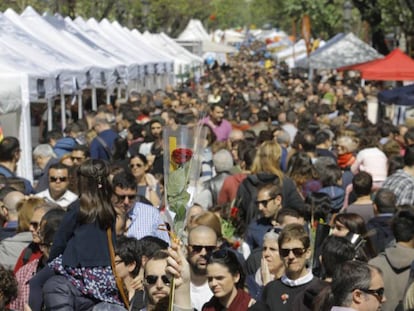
82,245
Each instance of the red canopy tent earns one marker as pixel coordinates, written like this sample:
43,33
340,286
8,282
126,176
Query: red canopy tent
396,66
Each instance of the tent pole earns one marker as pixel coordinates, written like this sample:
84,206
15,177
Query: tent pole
94,100
108,97
49,114
63,110
80,106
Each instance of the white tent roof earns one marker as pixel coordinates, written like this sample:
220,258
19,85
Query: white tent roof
194,32
341,50
92,61
228,36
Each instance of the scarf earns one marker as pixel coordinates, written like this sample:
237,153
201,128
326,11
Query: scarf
345,160
239,303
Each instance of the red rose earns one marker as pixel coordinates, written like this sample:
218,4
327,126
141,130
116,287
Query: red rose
234,211
181,155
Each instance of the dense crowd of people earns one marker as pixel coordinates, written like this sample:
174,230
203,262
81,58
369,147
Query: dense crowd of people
299,201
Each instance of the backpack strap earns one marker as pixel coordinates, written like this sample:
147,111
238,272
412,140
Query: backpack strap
105,146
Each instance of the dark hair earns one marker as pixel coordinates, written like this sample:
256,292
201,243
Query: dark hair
294,232
8,148
321,137
120,148
228,259
329,175
308,142
130,251
349,276
136,130
301,169
362,183
95,193
83,149
273,189
51,221
335,251
385,200
409,156
395,162
356,224
8,287
320,205
59,166
287,212
139,156
124,180
151,244
403,225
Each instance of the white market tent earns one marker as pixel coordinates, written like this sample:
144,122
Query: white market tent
195,32
184,61
41,57
341,50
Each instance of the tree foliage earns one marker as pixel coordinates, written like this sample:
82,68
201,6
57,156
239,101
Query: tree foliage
171,16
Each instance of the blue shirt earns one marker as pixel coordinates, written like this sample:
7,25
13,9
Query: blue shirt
145,220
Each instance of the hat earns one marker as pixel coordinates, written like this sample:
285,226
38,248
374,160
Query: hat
223,161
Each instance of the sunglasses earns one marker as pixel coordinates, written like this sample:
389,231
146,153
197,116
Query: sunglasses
264,202
377,293
121,198
132,165
298,252
77,158
34,224
56,178
199,248
152,279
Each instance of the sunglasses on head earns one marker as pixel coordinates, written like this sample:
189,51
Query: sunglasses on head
199,248
298,252
264,202
56,178
377,293
152,279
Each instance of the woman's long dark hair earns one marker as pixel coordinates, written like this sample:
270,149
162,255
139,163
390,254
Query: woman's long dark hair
227,258
95,193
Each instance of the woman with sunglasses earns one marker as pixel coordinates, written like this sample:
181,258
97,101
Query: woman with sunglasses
226,280
147,184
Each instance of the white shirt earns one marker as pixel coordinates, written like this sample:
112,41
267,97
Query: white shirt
65,200
200,295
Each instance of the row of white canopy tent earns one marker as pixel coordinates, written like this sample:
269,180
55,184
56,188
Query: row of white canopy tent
46,56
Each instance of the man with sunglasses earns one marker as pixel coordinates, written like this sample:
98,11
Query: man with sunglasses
295,252
135,214
202,241
357,286
58,191
269,203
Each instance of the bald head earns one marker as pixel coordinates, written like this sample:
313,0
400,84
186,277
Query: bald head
202,232
236,134
10,203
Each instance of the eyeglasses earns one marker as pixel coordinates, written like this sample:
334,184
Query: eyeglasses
152,279
34,224
377,293
56,178
132,165
298,252
264,202
199,248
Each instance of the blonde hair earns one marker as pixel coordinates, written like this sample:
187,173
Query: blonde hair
25,209
267,159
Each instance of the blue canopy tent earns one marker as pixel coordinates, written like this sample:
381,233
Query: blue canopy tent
402,96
